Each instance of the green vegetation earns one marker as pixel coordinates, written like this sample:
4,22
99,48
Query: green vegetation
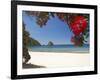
26,55
33,42
27,41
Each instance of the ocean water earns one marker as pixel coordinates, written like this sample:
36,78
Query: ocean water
60,48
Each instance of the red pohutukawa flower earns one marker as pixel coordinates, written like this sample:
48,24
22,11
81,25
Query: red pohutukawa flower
78,25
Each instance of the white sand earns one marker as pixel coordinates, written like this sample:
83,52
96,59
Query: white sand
59,59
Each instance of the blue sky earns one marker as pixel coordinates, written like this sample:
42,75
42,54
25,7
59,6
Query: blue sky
56,30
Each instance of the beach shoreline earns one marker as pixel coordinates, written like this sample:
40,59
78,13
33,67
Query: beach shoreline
52,59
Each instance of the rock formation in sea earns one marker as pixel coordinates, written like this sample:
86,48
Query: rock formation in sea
50,43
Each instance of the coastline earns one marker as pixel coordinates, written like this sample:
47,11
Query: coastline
48,59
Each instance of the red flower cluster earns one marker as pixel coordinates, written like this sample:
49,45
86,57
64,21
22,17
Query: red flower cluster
78,25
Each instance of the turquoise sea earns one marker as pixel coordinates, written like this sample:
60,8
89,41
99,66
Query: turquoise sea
60,48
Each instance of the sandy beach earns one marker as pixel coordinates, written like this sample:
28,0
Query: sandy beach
49,59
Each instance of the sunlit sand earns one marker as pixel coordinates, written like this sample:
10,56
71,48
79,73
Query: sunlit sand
49,59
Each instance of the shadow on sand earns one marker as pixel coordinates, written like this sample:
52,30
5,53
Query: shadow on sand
27,66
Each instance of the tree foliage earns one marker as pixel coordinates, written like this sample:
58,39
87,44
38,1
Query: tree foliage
26,55
42,19
27,41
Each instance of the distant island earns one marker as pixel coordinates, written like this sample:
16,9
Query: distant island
50,43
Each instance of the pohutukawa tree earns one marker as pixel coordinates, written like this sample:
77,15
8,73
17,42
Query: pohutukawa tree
26,38
78,23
